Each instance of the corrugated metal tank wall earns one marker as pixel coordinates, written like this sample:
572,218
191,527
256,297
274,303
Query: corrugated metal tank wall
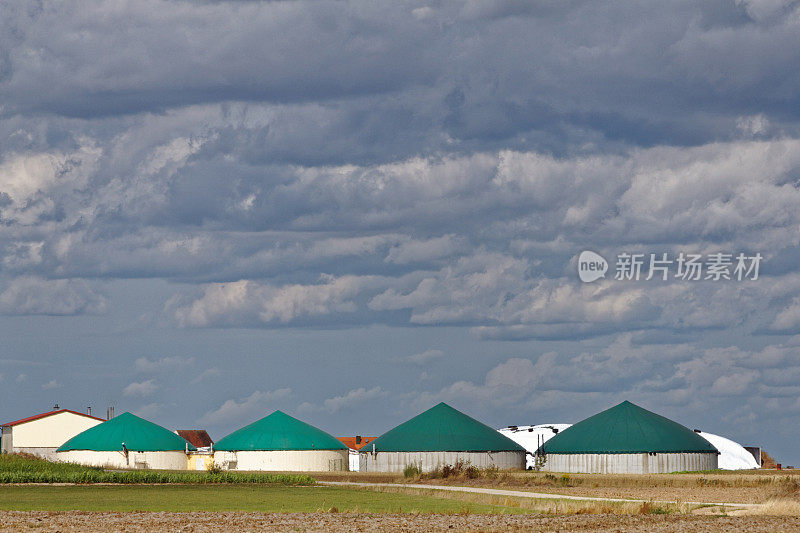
171,460
284,460
630,463
429,461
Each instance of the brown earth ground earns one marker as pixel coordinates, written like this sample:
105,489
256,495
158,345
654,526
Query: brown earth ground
242,522
756,486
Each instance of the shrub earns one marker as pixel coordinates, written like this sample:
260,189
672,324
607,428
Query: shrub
490,472
412,471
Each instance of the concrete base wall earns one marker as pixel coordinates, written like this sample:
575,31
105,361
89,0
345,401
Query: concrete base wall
629,463
428,461
284,461
7,439
151,460
44,453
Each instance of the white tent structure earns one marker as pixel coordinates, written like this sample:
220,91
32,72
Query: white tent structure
531,437
732,455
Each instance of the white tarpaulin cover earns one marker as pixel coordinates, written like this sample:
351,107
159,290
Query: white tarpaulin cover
531,437
732,456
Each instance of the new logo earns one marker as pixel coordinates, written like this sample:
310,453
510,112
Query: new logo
591,266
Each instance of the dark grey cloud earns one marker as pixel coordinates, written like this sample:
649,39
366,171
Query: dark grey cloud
538,76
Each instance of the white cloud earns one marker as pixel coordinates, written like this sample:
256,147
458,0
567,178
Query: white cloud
35,296
418,251
144,388
753,124
233,411
31,179
788,319
352,398
425,357
629,369
208,373
148,410
152,366
52,384
248,301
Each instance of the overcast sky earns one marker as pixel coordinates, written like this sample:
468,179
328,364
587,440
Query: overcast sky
353,210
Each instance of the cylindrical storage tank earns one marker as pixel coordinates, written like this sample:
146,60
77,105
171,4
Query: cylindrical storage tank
127,441
627,439
438,437
279,442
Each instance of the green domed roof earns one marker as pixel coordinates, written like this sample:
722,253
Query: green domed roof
442,428
278,431
627,428
137,434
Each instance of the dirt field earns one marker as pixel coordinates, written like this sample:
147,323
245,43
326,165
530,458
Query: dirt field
242,522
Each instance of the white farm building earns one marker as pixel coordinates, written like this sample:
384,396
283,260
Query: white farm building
42,434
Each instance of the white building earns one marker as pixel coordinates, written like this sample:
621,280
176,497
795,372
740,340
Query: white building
42,434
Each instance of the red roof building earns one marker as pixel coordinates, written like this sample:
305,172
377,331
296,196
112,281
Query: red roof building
354,443
49,413
198,437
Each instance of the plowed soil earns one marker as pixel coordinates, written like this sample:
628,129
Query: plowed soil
242,522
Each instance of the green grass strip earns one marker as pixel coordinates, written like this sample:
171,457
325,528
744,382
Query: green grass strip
21,469
228,498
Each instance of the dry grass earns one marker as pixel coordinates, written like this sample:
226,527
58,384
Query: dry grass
751,486
741,487
776,508
548,506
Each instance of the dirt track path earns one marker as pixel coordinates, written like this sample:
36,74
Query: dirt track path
533,495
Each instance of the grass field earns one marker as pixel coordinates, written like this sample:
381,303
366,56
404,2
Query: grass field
261,498
27,469
82,489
